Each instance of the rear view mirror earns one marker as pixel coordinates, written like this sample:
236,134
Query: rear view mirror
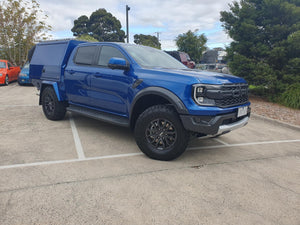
118,63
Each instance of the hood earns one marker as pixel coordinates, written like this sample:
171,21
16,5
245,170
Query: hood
25,71
204,77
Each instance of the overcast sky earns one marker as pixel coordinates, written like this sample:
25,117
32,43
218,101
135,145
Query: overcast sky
169,17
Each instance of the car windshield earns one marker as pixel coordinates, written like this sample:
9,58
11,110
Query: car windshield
152,58
2,65
26,66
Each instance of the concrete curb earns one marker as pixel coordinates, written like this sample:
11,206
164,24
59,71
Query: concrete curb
275,122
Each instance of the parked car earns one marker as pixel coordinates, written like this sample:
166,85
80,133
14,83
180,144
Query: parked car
138,87
182,57
24,75
8,72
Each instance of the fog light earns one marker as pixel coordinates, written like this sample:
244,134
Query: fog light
200,99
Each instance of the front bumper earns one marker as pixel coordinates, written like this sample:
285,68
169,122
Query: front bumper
214,125
24,80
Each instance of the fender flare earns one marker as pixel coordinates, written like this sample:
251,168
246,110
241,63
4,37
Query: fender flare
168,95
55,88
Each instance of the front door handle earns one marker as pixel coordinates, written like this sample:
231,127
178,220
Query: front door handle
97,75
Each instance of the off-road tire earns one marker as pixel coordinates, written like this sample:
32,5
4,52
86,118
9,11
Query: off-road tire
52,108
160,134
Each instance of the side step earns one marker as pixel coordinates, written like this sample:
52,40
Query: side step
98,115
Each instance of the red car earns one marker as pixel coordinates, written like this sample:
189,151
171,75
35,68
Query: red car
183,58
8,72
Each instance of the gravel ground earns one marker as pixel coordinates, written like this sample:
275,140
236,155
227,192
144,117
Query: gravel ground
275,111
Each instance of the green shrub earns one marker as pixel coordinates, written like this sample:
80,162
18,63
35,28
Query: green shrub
258,90
291,97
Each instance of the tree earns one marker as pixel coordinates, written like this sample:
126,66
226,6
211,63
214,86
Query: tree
86,37
101,25
192,44
147,40
265,48
20,28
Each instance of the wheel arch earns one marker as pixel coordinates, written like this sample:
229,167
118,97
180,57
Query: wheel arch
54,85
154,96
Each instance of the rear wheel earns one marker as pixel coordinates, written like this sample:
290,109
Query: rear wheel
53,109
159,133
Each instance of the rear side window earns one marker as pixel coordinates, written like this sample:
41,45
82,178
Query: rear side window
85,55
108,52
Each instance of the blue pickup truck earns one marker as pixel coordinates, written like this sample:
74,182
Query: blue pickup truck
145,89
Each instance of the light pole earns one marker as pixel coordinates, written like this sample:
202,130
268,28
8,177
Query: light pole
127,26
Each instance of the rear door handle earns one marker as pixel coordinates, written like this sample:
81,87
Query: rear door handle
70,71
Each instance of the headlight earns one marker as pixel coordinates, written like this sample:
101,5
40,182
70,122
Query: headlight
201,96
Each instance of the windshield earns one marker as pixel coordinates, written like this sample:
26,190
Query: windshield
150,57
2,65
26,66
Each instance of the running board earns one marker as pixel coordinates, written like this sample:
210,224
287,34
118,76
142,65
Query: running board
98,115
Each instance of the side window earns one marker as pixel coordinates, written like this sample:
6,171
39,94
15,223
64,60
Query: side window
9,65
108,52
2,65
85,55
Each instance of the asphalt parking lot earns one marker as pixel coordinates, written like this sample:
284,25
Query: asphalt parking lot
82,171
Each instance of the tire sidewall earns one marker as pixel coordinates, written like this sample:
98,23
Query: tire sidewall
160,112
59,110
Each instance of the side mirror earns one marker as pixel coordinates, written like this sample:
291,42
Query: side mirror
118,63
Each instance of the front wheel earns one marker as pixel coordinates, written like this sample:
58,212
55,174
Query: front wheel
53,109
160,134
6,80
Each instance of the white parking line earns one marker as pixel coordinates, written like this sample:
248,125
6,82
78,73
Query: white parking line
220,141
77,141
12,106
136,154
244,144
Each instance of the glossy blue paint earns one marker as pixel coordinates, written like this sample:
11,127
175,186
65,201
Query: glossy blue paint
113,90
117,62
55,87
24,75
50,58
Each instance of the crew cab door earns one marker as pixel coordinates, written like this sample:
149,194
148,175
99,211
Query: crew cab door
77,76
109,88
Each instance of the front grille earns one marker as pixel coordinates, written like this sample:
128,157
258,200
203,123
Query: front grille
223,96
228,102
232,95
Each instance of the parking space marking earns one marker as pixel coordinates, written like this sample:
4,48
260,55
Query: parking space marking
220,141
137,154
68,161
245,144
12,106
77,141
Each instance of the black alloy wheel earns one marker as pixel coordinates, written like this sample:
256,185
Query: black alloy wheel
161,134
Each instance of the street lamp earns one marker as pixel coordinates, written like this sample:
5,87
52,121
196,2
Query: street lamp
127,27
